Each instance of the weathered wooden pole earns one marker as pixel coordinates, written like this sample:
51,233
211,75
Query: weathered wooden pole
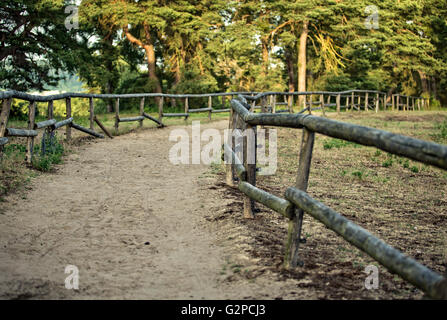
273,103
117,115
398,102
322,104
91,113
141,111
366,101
230,142
377,102
290,103
50,110
408,104
291,259
186,108
359,100
249,147
311,103
210,106
104,129
338,103
50,116
30,140
160,109
352,101
4,116
68,116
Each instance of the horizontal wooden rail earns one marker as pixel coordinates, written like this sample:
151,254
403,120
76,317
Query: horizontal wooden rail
419,150
104,129
11,132
422,277
172,115
131,119
3,141
282,206
220,110
85,130
62,123
200,110
44,124
153,119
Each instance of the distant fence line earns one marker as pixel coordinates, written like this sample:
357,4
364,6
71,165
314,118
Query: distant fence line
296,201
270,103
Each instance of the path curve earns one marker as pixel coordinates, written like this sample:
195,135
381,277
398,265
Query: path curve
124,215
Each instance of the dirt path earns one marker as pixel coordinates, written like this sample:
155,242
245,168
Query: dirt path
133,223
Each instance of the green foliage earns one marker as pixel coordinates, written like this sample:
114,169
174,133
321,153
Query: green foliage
337,143
440,135
44,161
34,43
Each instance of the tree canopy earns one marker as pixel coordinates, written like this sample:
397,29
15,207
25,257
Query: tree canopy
192,46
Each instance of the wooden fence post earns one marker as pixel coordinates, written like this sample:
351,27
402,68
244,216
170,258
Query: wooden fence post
117,115
92,113
142,111
68,115
366,101
352,101
377,102
4,117
273,103
398,102
322,104
250,166
347,103
311,103
186,107
290,103
210,106
160,109
359,100
30,140
338,104
230,142
295,224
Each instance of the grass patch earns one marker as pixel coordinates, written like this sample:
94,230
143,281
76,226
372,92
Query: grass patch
337,143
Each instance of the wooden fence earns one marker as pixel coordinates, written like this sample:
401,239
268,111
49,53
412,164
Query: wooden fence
296,201
353,100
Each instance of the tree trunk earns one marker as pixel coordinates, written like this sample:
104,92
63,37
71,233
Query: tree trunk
265,57
148,47
302,61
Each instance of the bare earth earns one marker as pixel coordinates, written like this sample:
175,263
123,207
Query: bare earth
135,225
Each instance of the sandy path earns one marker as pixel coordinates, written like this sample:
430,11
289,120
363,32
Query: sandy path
99,212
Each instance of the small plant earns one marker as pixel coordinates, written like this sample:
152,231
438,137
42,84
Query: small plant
406,164
337,143
49,153
358,174
388,162
441,134
414,169
378,153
